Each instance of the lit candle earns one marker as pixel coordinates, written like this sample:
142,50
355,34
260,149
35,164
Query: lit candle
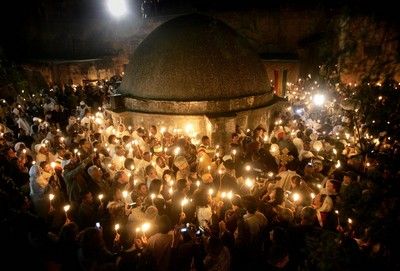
249,183
247,167
51,197
296,197
177,151
350,221
145,227
53,165
124,194
198,183
337,215
152,196
223,195
229,195
209,168
100,196
312,195
66,208
210,191
183,203
116,228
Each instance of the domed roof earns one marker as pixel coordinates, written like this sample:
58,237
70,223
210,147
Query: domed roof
194,58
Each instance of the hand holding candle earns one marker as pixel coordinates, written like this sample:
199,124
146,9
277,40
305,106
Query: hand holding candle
183,203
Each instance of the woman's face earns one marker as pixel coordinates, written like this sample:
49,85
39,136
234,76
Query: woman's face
167,177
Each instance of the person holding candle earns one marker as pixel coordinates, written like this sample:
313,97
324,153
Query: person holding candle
202,201
39,176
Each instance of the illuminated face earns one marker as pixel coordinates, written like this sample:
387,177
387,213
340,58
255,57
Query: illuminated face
346,180
143,189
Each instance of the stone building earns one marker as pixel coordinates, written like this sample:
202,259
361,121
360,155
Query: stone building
195,75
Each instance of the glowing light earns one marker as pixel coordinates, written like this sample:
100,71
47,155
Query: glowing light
124,194
296,197
249,183
223,195
100,196
177,151
184,202
338,164
336,212
229,195
247,168
198,183
349,220
312,195
189,128
145,227
67,207
318,99
53,165
117,8
210,191
51,197
116,227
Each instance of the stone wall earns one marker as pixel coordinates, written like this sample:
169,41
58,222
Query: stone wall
75,71
218,129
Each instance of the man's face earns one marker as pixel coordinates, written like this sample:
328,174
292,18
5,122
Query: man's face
160,162
147,157
98,174
47,168
317,166
153,174
346,180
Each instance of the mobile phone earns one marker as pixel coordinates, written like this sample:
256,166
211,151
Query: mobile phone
132,205
184,229
200,231
98,225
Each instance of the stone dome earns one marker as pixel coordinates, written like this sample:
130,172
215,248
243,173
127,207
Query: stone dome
194,58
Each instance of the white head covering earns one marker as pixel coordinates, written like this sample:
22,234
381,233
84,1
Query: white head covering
19,145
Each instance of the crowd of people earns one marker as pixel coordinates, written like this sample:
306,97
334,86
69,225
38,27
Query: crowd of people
79,192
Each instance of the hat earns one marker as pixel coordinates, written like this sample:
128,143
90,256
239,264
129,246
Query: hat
38,147
227,157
